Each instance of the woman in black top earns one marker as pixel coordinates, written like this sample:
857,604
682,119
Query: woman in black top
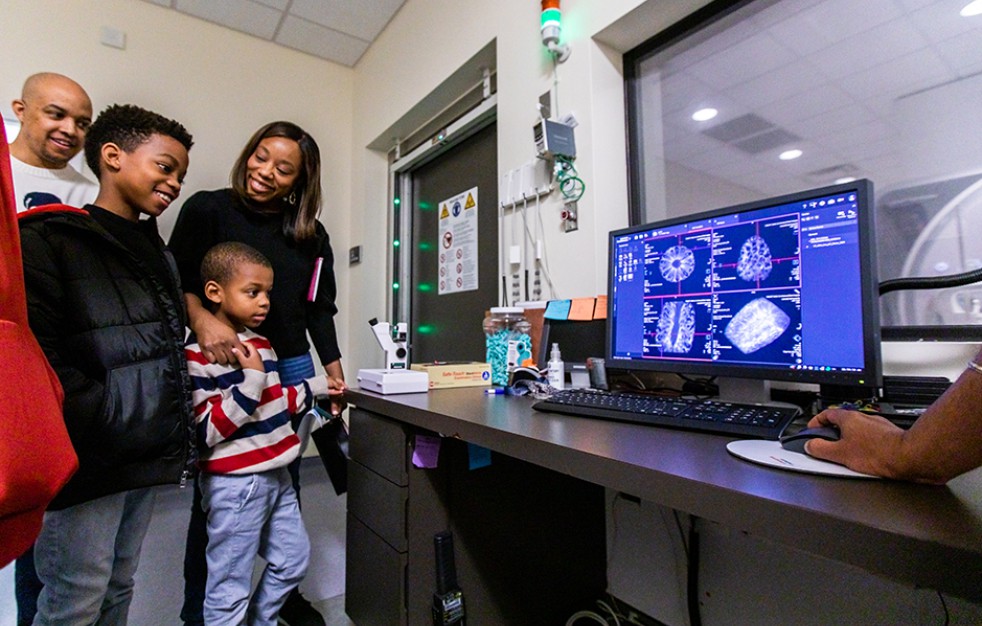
272,206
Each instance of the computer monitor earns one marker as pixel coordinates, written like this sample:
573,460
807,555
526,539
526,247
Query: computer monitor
779,289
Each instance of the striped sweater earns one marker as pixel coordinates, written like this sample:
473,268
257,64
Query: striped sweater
243,415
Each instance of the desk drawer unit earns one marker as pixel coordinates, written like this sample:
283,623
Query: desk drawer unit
390,562
376,554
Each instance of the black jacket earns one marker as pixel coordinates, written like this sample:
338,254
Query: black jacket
114,334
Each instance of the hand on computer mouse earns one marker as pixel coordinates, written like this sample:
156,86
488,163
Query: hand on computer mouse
867,443
797,441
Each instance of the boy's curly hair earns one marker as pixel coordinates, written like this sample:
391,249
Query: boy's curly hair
128,126
222,261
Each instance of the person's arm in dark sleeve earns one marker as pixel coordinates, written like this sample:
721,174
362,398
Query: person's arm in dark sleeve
321,312
194,233
198,228
321,326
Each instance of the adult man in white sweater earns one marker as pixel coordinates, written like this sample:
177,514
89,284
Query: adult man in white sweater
55,113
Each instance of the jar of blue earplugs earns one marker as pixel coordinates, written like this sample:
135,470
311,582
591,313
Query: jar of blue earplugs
507,340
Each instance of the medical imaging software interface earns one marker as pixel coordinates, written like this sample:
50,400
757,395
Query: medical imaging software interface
777,286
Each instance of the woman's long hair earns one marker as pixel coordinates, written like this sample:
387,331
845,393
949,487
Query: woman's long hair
299,217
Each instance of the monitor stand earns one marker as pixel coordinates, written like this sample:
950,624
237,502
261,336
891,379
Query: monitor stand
746,390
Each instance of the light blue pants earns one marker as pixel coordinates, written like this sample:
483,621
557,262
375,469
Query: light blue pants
86,556
250,515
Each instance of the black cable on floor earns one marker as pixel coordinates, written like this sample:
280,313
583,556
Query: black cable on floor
692,574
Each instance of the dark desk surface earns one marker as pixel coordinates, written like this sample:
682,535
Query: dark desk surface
927,536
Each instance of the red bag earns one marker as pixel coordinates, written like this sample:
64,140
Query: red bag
36,455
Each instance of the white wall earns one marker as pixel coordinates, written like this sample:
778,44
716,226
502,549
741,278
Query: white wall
426,42
222,85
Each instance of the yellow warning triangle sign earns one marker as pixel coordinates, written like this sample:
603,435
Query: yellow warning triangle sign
470,204
444,213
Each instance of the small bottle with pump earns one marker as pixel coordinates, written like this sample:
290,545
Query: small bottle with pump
557,371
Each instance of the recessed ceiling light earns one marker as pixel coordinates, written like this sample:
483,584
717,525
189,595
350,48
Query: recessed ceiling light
844,179
704,115
972,8
788,155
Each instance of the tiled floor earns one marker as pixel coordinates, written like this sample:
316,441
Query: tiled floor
333,611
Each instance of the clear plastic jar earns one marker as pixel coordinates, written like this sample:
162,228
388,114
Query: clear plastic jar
507,340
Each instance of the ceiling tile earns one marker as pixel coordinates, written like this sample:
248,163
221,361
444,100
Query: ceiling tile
962,53
797,77
849,115
821,98
829,23
364,20
319,41
242,15
681,92
897,77
163,3
869,49
276,4
942,21
846,18
747,59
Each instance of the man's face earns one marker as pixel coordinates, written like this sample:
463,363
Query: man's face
55,115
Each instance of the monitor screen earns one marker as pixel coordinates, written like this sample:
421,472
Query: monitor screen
779,289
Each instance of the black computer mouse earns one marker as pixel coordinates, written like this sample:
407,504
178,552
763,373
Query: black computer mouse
796,442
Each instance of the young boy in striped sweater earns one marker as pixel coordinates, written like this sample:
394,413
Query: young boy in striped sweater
246,440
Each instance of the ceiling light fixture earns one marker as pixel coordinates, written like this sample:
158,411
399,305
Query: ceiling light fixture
788,155
704,115
844,180
972,8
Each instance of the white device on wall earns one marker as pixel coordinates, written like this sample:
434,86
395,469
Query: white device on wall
554,139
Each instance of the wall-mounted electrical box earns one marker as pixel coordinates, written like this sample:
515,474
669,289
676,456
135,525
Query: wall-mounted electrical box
554,139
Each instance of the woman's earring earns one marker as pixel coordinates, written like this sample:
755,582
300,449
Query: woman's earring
292,198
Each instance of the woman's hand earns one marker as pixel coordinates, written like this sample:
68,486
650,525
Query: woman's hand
335,380
337,387
216,339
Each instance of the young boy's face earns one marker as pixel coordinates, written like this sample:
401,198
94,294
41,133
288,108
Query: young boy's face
244,300
150,177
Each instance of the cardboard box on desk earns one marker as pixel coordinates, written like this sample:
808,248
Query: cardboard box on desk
445,375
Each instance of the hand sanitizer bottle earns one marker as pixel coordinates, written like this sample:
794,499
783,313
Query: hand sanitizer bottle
557,372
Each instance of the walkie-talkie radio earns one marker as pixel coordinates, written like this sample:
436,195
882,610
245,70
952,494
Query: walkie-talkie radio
448,601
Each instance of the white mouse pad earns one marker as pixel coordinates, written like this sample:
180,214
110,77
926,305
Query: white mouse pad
771,453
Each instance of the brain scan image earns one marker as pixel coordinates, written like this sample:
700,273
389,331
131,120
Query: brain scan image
756,325
755,260
676,327
677,264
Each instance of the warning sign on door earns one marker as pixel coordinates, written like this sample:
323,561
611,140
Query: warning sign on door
458,234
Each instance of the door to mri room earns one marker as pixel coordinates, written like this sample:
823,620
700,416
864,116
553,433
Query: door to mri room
448,301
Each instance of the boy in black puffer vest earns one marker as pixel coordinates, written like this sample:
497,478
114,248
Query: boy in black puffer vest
105,304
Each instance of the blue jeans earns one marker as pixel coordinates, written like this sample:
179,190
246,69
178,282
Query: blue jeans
86,556
27,588
291,371
252,515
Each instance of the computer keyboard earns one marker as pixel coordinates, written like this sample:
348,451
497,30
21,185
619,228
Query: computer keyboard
728,418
